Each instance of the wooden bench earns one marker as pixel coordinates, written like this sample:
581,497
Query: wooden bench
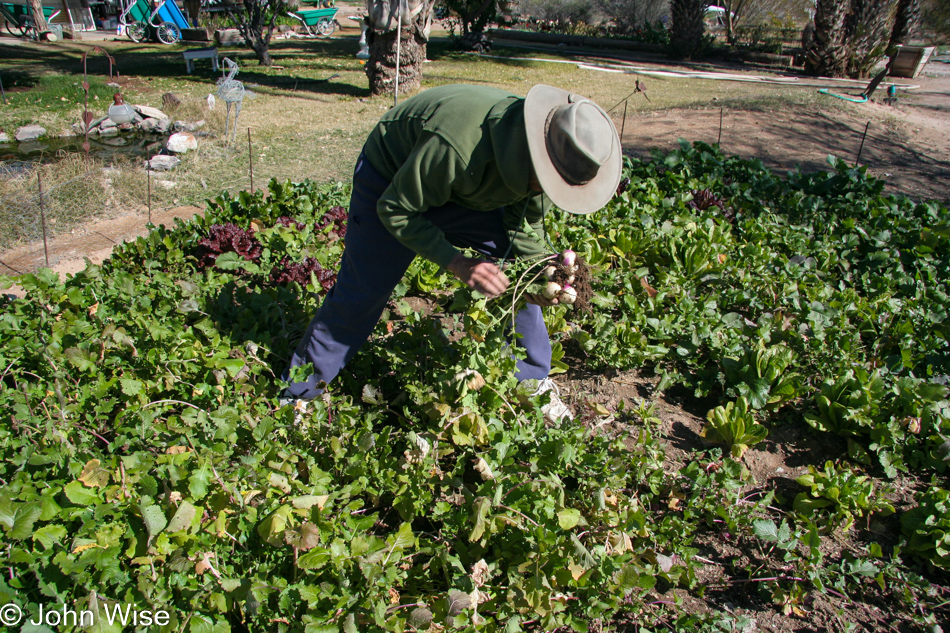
201,53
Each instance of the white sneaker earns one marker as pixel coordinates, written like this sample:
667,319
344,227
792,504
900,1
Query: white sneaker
555,410
300,407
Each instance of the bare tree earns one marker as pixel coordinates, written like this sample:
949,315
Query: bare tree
398,32
256,20
686,33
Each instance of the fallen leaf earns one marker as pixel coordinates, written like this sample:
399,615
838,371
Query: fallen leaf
646,286
479,573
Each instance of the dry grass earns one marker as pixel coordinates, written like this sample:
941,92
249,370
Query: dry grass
309,114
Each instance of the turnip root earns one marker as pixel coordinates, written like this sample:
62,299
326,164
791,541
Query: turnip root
567,258
549,272
568,295
551,290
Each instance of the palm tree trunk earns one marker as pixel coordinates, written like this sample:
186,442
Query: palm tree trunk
381,38
868,32
829,54
686,34
906,22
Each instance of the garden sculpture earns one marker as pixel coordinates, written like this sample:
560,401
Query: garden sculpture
231,91
456,167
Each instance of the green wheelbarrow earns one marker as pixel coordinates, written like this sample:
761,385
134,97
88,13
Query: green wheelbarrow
323,21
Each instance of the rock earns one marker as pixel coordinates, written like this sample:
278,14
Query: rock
166,184
181,142
108,131
149,124
4,138
210,102
106,123
116,142
30,133
163,125
163,162
147,112
181,126
170,101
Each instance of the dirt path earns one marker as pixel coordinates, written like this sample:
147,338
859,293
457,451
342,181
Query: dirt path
93,241
907,145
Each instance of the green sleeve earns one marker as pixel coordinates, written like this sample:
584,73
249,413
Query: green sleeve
426,179
528,234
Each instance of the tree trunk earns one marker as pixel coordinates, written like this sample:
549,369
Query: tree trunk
686,34
381,38
262,51
39,18
868,29
829,54
906,22
381,66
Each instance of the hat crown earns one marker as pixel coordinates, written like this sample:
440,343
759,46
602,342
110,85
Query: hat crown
578,139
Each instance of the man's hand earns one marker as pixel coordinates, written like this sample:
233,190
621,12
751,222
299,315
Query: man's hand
479,274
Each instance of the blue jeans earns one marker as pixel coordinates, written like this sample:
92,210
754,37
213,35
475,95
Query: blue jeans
374,262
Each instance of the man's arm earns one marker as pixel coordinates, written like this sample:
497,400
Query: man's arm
426,180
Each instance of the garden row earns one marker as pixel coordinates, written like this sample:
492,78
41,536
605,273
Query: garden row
145,460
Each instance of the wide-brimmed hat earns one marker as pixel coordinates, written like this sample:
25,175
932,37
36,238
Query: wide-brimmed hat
574,148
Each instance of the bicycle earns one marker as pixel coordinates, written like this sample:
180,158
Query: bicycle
19,21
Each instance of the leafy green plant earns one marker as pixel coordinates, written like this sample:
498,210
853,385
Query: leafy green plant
839,495
735,426
927,527
762,375
847,405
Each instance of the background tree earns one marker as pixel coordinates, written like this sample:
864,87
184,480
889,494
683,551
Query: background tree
381,36
39,18
906,23
630,15
687,26
256,20
474,15
828,54
936,20
850,37
867,33
557,11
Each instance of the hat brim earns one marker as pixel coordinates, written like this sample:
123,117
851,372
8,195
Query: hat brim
578,199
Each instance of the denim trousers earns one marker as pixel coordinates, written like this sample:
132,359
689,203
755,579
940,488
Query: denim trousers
374,261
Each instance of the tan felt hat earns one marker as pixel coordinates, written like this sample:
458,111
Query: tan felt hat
574,148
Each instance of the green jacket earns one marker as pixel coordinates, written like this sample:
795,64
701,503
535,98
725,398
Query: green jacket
461,144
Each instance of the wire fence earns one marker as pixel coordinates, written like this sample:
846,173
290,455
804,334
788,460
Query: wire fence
75,197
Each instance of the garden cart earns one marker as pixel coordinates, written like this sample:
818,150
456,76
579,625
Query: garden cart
321,20
163,21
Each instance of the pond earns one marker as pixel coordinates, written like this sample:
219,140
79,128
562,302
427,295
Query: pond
16,158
